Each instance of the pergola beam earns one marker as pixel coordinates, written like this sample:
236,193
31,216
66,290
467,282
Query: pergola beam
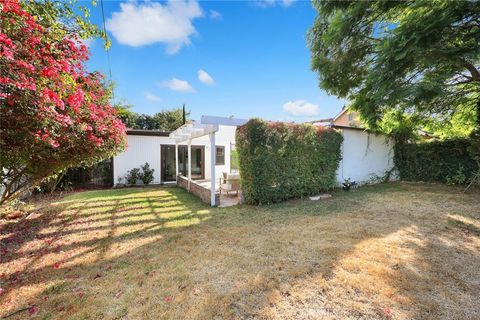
191,131
208,126
223,121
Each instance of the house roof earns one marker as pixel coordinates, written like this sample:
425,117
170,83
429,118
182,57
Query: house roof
141,132
347,127
339,114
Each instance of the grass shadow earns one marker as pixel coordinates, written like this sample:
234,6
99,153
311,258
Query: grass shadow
170,256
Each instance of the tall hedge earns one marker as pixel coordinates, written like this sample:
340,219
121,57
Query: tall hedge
439,161
279,161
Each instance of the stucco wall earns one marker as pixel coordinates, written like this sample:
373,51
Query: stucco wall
143,149
224,137
364,154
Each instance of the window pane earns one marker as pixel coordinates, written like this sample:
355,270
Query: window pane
220,155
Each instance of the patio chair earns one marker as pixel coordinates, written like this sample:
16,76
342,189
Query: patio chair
229,183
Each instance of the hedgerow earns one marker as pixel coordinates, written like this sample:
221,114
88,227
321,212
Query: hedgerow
440,161
279,161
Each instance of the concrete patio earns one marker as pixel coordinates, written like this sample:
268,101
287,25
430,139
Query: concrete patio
226,200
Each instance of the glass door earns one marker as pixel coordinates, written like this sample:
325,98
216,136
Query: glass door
197,163
168,163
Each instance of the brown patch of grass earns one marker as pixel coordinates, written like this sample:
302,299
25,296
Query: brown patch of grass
397,251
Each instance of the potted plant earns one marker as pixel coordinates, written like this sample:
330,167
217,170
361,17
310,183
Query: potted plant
346,185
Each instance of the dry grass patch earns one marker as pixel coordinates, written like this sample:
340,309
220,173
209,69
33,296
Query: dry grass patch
397,251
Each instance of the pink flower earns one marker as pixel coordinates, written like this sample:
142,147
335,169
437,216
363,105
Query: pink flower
6,40
33,310
54,98
54,144
75,100
49,72
387,312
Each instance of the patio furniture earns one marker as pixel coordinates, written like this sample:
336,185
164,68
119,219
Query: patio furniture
230,183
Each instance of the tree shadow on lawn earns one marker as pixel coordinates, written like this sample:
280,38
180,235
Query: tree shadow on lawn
422,263
50,244
170,256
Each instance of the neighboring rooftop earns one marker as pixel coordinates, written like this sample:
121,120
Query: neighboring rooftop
141,132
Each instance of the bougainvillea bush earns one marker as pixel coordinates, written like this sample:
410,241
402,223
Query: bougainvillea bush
279,161
53,114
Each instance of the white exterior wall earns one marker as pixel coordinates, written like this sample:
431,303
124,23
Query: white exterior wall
364,154
224,137
140,149
143,149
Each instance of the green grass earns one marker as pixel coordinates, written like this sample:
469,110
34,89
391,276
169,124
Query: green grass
160,253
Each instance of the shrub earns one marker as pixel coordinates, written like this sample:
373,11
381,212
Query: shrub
439,161
279,161
132,176
54,114
457,178
147,174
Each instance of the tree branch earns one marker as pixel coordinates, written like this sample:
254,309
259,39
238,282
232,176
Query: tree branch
473,71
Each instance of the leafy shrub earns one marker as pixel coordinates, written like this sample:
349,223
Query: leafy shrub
147,174
439,161
279,161
144,173
132,176
458,178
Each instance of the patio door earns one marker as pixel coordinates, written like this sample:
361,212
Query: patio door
168,163
197,162
168,159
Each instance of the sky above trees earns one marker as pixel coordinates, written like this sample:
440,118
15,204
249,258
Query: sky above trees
248,59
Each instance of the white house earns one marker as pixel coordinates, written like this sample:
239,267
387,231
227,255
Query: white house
158,149
365,155
209,144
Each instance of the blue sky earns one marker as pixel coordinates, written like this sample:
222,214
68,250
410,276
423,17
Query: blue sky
247,59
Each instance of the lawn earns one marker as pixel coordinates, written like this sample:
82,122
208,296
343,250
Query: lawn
398,251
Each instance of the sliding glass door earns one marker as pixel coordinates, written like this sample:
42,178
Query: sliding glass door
168,162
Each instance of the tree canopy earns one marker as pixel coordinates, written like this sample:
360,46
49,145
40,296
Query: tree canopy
54,114
417,58
165,120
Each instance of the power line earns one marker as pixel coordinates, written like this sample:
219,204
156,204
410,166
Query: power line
108,52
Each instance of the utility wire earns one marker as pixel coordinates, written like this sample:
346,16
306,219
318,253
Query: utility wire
108,52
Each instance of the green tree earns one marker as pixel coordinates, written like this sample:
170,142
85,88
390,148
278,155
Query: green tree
169,120
128,117
166,120
66,18
420,58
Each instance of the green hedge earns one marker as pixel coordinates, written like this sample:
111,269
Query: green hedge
440,161
279,161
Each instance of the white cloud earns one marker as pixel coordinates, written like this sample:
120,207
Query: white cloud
271,3
205,78
175,84
215,15
287,3
138,24
301,108
151,97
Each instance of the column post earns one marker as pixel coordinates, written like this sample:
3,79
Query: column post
189,163
176,161
212,168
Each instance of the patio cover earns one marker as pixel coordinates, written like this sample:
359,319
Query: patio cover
208,126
